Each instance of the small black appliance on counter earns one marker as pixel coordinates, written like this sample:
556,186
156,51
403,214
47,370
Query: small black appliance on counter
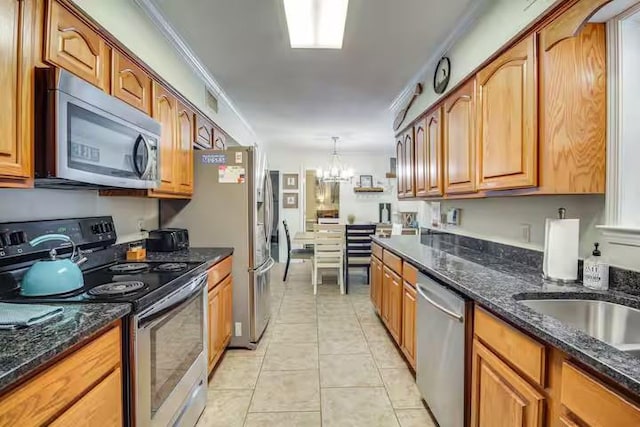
168,240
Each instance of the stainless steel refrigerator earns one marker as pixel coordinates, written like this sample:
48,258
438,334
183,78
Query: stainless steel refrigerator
232,206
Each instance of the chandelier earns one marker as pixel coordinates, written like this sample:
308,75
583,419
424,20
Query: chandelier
336,171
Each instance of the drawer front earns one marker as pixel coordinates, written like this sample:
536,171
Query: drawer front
518,349
376,250
56,388
409,273
220,271
392,261
101,406
594,403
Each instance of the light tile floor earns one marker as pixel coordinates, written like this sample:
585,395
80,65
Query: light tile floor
324,360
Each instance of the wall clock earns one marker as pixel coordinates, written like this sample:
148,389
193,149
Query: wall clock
442,75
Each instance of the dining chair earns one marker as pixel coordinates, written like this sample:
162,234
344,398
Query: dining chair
328,252
302,254
358,249
396,229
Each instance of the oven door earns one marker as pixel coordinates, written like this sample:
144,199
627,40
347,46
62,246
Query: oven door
171,360
97,147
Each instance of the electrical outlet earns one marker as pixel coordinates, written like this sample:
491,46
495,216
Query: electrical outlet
525,233
238,329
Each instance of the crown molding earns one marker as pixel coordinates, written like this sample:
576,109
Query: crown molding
461,28
161,22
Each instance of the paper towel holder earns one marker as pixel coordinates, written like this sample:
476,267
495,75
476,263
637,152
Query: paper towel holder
562,214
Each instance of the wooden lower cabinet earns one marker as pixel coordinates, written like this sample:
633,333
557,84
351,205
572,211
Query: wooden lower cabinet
499,396
83,388
376,284
409,323
219,311
392,303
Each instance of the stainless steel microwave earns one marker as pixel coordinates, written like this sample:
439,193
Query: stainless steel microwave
86,138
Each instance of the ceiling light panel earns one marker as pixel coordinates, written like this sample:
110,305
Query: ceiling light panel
316,24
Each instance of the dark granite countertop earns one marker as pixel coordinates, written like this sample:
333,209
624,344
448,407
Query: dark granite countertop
23,351
498,283
208,256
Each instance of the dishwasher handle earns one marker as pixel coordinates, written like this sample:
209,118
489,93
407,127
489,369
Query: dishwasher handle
456,316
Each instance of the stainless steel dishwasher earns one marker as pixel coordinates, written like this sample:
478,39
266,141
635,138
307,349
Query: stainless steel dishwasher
440,353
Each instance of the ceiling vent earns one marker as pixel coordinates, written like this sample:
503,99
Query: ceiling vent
211,100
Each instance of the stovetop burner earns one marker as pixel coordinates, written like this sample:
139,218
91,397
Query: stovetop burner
116,288
132,267
172,266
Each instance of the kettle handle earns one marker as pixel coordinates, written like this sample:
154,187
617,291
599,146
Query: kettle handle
50,237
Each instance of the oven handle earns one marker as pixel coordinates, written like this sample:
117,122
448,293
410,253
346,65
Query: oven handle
175,301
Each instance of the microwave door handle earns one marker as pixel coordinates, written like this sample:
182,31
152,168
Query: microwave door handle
141,139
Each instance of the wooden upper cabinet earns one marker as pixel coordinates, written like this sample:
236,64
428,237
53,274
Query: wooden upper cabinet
409,164
164,110
499,396
434,147
16,86
204,131
400,167
459,140
421,150
72,45
130,83
219,139
507,143
573,110
184,150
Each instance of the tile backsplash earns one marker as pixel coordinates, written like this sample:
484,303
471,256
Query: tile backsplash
35,204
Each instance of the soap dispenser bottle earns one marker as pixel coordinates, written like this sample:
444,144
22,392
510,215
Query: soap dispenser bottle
596,271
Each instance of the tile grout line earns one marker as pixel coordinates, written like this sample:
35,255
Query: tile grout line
375,362
318,336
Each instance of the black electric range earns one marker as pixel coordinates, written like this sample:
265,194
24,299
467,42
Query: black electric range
138,283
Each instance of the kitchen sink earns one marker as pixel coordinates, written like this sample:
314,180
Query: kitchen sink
615,324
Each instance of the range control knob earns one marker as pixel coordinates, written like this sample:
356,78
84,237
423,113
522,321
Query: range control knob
109,227
5,240
18,237
94,229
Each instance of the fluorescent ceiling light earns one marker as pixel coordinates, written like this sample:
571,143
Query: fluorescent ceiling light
316,24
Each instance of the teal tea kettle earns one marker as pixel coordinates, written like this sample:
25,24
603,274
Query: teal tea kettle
53,276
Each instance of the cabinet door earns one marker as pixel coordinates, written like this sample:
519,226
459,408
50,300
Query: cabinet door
573,111
72,45
219,139
102,405
409,323
499,396
378,285
507,120
16,87
422,158
184,151
400,167
227,302
214,310
395,307
165,111
434,147
130,83
409,164
459,141
204,131
386,295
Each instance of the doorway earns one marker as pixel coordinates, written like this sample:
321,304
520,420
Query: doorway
275,235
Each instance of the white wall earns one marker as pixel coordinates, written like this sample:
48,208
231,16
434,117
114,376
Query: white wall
130,25
364,207
36,204
499,22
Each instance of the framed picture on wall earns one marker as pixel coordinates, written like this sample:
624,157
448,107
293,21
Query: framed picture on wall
366,181
290,200
290,181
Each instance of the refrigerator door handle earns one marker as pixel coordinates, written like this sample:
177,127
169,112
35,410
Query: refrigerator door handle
265,267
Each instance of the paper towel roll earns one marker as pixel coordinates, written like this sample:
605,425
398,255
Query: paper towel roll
561,242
